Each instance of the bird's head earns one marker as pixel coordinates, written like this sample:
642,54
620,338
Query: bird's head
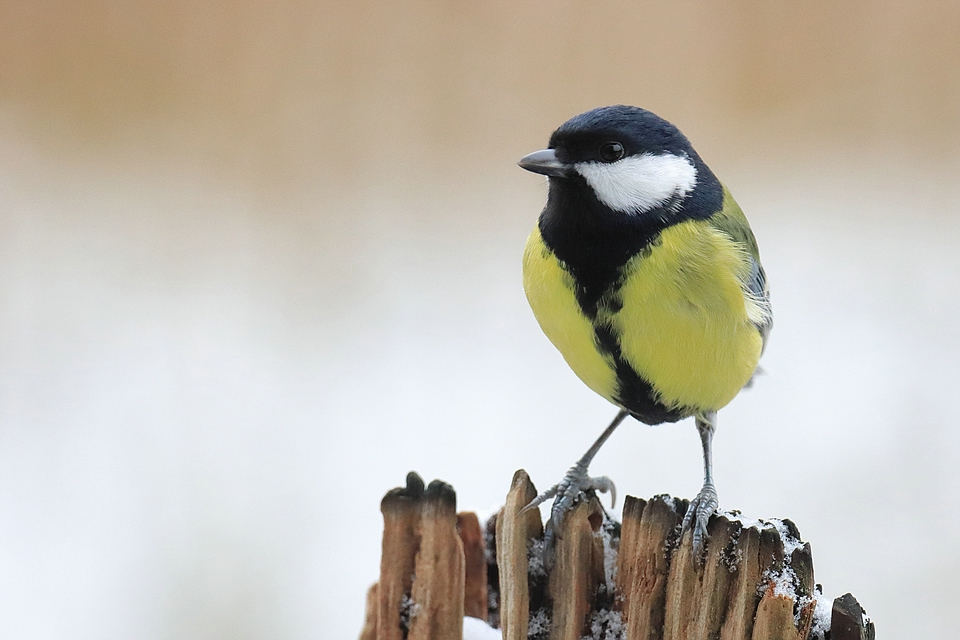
633,160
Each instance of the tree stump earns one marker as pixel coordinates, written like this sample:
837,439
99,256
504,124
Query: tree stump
635,580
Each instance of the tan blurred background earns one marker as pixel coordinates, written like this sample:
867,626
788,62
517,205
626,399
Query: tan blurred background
258,260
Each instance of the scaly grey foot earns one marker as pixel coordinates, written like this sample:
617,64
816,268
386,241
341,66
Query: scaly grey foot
575,483
705,504
698,515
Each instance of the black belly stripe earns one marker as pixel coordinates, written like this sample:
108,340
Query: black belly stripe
634,393
597,290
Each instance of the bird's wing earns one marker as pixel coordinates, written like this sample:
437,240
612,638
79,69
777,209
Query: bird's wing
731,221
756,286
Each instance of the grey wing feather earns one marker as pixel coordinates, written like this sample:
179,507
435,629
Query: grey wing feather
757,287
758,291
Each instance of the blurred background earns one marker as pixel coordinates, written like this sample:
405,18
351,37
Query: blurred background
260,259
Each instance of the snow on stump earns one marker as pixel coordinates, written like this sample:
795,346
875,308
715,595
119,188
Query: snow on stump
635,580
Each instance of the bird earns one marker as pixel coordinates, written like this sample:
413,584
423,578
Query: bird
644,273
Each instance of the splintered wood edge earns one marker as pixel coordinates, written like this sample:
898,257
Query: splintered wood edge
682,583
476,602
644,564
439,569
719,599
802,563
698,593
774,619
719,570
578,571
629,540
369,631
401,540
743,604
847,621
514,532
705,593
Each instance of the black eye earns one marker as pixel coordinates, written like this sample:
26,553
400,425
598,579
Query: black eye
611,151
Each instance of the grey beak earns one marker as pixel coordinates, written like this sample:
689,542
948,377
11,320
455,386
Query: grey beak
546,163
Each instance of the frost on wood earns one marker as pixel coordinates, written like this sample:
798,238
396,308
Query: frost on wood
635,580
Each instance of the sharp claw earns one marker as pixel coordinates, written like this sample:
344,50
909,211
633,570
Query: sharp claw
698,515
699,537
561,506
547,556
567,493
540,499
603,484
688,517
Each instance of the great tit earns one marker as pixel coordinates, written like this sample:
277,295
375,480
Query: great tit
644,273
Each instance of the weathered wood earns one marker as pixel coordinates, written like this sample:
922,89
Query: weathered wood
369,631
475,600
774,619
493,571
719,570
401,541
682,582
848,622
771,551
754,582
773,612
643,564
698,591
802,563
627,561
578,570
744,596
515,530
439,569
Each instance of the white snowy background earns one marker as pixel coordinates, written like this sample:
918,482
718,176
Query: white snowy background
257,264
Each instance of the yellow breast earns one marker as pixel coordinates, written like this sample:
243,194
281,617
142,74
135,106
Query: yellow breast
549,289
683,326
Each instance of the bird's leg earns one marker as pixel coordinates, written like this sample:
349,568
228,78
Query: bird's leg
705,504
575,482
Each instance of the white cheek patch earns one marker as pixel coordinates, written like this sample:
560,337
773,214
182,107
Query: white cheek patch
641,182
